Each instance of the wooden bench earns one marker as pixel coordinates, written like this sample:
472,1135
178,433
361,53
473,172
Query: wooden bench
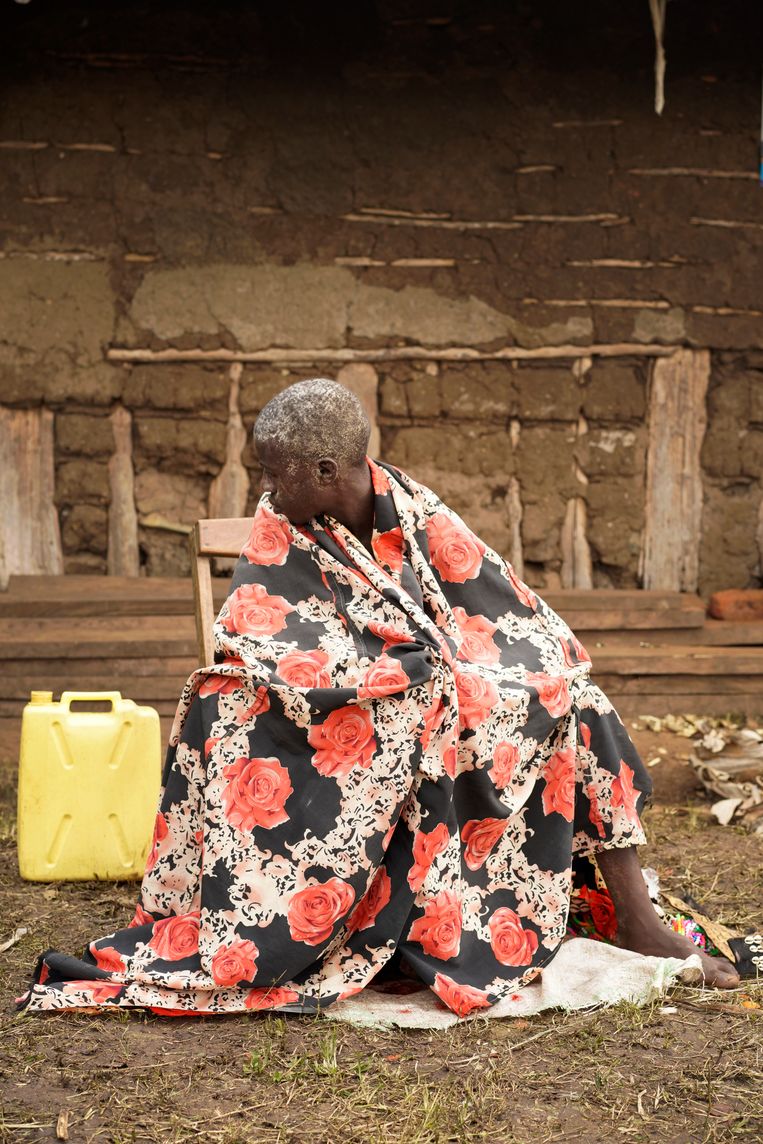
653,652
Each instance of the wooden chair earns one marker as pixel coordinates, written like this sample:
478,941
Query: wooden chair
210,538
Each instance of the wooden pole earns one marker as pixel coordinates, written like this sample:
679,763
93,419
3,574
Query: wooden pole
673,510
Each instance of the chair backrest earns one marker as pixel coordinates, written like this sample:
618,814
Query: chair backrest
223,537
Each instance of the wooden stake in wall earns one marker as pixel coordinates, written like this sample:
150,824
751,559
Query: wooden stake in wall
30,539
515,511
759,539
229,490
515,508
673,510
577,563
577,566
363,380
123,554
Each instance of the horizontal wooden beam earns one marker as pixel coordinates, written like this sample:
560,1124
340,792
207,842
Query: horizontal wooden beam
692,172
389,353
733,224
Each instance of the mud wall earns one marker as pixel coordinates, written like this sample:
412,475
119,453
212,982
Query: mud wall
436,187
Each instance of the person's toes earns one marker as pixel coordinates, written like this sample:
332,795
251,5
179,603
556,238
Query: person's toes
730,978
720,973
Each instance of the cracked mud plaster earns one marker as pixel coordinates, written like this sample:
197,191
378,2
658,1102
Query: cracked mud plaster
56,320
48,307
318,306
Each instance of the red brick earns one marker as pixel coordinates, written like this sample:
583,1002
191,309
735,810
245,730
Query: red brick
737,604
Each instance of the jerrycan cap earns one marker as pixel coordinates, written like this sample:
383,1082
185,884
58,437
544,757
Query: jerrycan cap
41,697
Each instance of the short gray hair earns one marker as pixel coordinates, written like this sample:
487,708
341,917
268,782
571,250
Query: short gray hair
314,419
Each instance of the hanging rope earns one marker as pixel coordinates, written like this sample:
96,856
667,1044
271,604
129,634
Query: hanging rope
657,9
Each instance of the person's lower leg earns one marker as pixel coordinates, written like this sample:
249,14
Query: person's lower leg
638,925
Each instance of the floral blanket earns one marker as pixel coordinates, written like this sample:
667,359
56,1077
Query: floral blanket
396,750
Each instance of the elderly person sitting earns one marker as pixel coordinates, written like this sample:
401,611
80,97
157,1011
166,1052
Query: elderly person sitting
397,749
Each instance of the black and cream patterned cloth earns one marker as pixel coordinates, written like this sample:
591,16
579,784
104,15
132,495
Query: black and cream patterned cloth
396,749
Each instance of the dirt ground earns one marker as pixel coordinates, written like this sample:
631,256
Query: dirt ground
687,1068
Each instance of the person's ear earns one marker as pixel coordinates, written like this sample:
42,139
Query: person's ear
328,471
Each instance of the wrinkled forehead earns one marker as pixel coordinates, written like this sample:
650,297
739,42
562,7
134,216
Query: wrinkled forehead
280,457
272,454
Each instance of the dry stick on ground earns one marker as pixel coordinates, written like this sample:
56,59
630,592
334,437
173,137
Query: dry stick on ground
555,1028
197,1124
720,1007
23,1124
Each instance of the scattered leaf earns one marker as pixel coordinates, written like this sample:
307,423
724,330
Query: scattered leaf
15,937
713,740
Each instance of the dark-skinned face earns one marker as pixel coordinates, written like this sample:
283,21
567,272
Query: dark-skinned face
299,491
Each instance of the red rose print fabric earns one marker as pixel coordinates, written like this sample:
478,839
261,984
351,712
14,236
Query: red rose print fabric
395,749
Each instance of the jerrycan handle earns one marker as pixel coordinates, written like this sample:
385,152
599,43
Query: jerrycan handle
69,697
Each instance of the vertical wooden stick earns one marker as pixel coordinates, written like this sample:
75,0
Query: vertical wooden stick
229,490
515,510
30,538
123,555
363,380
577,568
514,507
577,565
658,9
677,422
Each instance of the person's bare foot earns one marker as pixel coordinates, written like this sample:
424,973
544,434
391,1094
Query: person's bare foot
655,939
639,926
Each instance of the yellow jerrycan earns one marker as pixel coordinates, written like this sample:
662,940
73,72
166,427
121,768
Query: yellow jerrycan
88,787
